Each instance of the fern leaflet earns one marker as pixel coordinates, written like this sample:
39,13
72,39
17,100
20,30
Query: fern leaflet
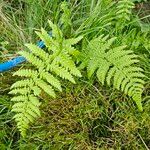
49,66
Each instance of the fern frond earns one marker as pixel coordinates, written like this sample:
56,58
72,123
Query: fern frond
19,98
34,60
117,65
26,73
66,16
72,41
52,80
62,72
23,91
27,109
66,62
47,88
23,83
56,31
38,51
45,37
48,67
124,9
36,90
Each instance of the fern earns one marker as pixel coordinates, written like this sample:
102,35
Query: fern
124,9
66,16
115,64
49,67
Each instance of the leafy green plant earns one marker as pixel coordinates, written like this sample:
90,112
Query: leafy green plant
124,9
49,67
115,62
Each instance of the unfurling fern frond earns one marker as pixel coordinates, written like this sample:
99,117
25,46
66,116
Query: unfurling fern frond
49,66
124,9
117,65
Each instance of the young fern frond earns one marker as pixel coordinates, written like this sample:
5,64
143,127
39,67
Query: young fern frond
65,19
124,9
49,67
115,64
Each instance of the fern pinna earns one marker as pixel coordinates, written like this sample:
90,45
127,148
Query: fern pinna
115,64
50,66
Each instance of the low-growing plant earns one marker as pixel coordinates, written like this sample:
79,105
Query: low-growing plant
56,62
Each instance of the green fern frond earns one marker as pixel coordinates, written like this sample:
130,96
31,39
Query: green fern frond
22,91
27,110
66,62
117,65
124,9
19,98
38,51
23,83
49,67
44,36
36,90
65,19
62,72
72,41
34,60
26,73
47,88
52,80
57,33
